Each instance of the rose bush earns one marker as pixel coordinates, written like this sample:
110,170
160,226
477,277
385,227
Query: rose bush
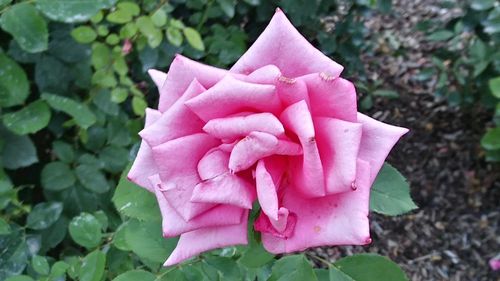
280,127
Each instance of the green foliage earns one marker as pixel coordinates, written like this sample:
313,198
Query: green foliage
374,267
73,91
467,70
390,193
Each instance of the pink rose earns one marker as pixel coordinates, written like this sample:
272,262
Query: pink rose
280,127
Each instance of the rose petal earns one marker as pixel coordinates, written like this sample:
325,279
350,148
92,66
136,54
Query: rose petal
291,91
225,189
181,73
338,143
267,179
231,96
307,171
158,77
214,163
173,224
180,177
177,121
258,145
330,97
195,242
283,227
377,141
339,219
268,74
231,128
144,164
282,45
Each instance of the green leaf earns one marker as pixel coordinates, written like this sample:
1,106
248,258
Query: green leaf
150,31
14,253
84,34
139,105
336,275
119,16
63,151
20,278
18,151
80,112
145,239
70,11
91,178
30,119
491,140
92,267
14,85
374,267
390,194
85,230
44,215
481,5
495,86
28,28
174,36
227,6
40,265
134,201
293,268
4,227
159,18
114,158
194,38
55,234
58,269
441,35
129,7
386,93
57,176
135,275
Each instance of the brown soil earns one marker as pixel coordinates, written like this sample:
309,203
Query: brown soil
456,230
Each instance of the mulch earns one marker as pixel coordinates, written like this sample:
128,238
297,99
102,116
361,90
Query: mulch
456,229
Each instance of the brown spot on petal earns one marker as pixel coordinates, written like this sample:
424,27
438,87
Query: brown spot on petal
317,229
327,77
353,185
286,80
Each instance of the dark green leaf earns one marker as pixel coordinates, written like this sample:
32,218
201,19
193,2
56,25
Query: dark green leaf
40,265
14,254
114,158
18,151
91,178
146,240
20,278
390,194
495,86
85,230
134,201
44,215
135,275
30,119
80,112
4,227
491,140
57,176
227,6
72,10
63,151
440,35
293,268
374,267
52,236
29,29
14,86
92,267
481,5
336,275
386,93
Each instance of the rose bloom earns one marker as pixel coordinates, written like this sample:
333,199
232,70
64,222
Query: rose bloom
280,127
